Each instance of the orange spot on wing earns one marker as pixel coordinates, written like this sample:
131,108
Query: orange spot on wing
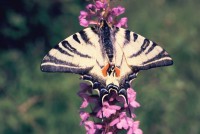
104,70
117,71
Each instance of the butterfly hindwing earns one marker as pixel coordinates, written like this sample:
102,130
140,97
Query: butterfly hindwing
75,54
141,53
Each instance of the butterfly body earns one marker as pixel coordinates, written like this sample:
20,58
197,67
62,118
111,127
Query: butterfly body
107,56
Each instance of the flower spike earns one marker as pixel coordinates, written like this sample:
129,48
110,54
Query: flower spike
101,10
110,108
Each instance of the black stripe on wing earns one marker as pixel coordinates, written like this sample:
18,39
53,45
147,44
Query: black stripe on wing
127,37
94,30
161,59
142,49
51,59
73,50
62,51
160,63
52,64
135,36
65,69
145,44
151,48
161,55
84,37
76,38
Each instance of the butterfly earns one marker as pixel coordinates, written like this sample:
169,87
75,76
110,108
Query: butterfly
107,56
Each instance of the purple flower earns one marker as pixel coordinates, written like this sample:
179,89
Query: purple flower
114,114
84,22
134,128
122,122
100,5
83,15
84,103
127,123
116,11
131,94
91,127
102,10
122,22
84,93
89,6
107,110
84,116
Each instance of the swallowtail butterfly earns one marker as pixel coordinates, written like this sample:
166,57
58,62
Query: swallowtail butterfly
107,56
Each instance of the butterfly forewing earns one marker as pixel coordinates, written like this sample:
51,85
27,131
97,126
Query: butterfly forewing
75,54
141,53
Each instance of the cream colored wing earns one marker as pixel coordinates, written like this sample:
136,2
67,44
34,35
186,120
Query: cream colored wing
80,53
141,53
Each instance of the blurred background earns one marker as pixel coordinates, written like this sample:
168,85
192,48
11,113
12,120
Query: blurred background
32,102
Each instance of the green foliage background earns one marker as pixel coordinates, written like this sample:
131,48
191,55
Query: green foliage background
32,102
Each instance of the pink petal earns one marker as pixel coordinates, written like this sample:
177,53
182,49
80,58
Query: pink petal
108,110
123,124
84,22
83,13
91,8
114,107
89,125
98,126
99,4
134,104
91,131
138,131
131,94
133,115
134,128
93,22
84,103
124,121
136,124
84,116
122,22
116,11
130,121
130,131
114,122
122,115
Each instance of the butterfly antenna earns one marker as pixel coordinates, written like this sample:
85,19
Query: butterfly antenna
103,94
92,110
129,110
101,105
123,93
102,114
